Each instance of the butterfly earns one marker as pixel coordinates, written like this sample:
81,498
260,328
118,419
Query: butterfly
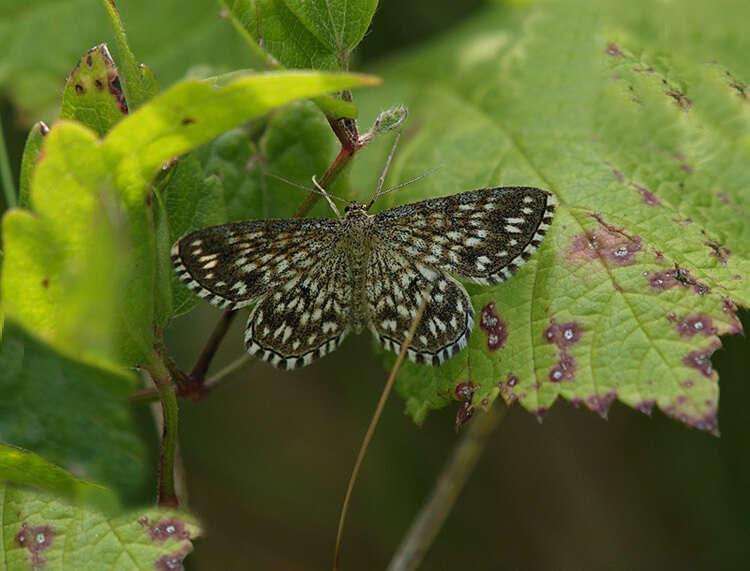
314,280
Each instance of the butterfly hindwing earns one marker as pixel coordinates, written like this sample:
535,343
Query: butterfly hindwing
395,288
302,320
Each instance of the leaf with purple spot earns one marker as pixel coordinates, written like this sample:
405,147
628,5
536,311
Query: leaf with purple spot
649,253
44,532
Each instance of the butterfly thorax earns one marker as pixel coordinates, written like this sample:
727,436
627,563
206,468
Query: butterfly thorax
356,242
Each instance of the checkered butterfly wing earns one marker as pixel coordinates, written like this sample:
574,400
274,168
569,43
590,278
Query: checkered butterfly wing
234,265
480,235
290,267
395,288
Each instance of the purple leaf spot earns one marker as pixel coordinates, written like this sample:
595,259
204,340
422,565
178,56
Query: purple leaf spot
493,326
465,412
678,277
172,561
728,306
613,50
564,370
166,528
694,325
645,406
36,540
649,198
539,413
465,390
611,245
621,252
700,360
581,249
600,404
719,251
663,280
707,421
563,335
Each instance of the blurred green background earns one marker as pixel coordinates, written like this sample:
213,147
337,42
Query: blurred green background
267,458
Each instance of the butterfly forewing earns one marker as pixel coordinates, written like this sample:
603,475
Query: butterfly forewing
235,264
304,319
395,287
481,235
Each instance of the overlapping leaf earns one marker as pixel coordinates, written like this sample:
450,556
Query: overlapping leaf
41,40
74,414
645,143
44,532
319,34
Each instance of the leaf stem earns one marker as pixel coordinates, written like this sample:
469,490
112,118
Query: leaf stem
167,497
215,380
373,424
444,494
5,173
198,374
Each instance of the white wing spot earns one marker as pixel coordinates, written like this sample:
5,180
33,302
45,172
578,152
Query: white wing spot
287,334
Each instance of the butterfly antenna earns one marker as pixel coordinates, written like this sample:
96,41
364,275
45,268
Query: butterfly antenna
420,177
327,197
303,187
385,171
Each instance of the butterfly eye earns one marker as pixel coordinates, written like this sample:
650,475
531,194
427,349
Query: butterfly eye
347,208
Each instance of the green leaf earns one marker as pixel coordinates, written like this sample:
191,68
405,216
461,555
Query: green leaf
645,145
338,24
139,83
42,531
271,24
37,57
231,157
194,112
70,413
21,467
93,95
28,161
52,256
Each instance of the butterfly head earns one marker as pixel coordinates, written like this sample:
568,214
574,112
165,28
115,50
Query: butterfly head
354,210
